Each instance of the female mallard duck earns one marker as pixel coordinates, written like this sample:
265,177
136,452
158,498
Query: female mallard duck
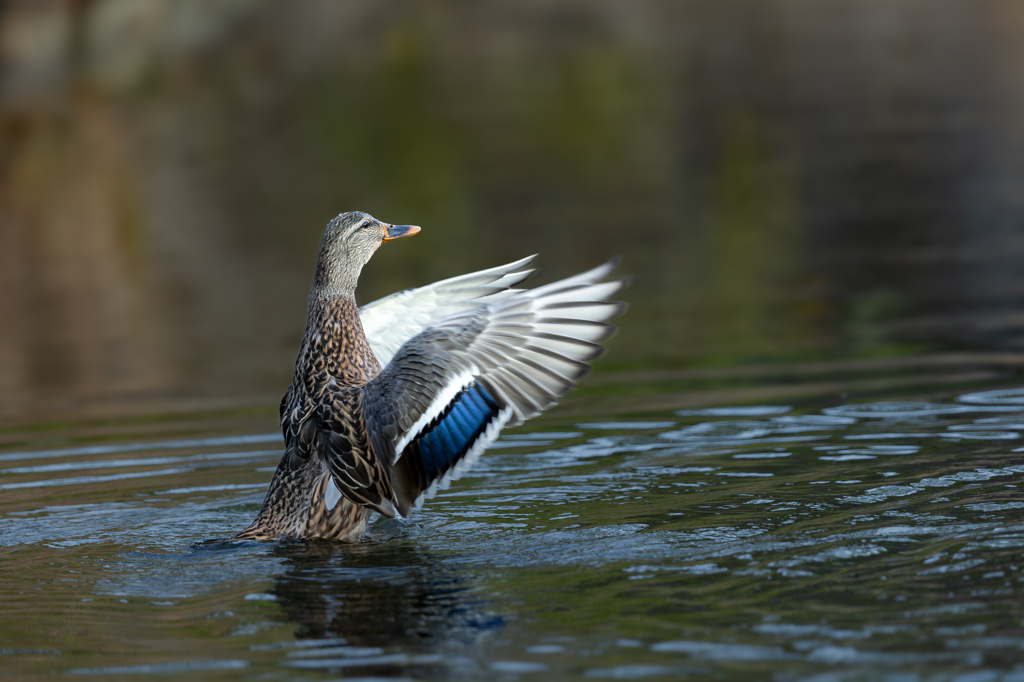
463,358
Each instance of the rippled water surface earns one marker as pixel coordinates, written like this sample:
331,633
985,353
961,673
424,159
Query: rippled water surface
636,532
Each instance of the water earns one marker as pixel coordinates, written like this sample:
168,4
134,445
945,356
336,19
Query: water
877,537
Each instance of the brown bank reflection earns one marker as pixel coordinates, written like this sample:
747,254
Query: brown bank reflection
785,178
77,302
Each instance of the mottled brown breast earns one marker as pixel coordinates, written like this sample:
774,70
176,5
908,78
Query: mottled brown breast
334,348
340,346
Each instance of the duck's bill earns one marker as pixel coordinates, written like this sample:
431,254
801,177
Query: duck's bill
396,231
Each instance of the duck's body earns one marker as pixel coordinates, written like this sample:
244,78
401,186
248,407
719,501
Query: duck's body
334,353
463,358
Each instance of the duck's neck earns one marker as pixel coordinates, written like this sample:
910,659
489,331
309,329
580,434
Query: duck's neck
335,346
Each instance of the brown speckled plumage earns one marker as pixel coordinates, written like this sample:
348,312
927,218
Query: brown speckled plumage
335,354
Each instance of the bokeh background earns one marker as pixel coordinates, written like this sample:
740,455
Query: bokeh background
786,179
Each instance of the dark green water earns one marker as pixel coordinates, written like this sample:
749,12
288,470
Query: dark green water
812,539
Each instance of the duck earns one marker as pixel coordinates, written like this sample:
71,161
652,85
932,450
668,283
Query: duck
393,401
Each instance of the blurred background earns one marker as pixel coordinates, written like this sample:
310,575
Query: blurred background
786,179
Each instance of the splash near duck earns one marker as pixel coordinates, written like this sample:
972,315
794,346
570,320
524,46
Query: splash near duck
395,400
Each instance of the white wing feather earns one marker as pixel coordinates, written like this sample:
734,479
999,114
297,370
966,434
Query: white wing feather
391,321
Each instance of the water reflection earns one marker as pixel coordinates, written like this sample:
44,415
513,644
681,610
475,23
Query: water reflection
379,595
366,601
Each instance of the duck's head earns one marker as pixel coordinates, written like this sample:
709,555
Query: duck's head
349,241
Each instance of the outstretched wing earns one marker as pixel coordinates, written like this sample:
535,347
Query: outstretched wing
391,321
450,390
